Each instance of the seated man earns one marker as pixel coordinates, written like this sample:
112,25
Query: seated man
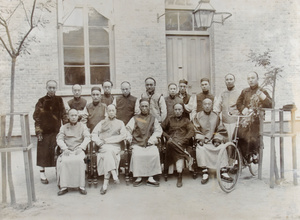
143,131
72,139
180,131
206,124
108,134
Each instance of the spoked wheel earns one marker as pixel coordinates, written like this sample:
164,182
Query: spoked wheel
229,166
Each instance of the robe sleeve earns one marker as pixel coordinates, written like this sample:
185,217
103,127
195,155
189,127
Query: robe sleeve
163,108
218,104
60,139
267,103
96,132
85,115
190,131
137,107
36,117
240,102
157,133
87,137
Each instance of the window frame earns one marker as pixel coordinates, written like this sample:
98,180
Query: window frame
62,17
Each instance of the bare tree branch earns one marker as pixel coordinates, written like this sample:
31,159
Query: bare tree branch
3,43
28,32
11,14
9,37
27,18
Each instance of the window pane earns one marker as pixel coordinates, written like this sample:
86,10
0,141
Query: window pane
186,21
74,55
99,56
171,21
98,36
96,19
75,18
99,74
74,75
73,36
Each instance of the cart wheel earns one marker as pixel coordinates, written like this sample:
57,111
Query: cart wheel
229,167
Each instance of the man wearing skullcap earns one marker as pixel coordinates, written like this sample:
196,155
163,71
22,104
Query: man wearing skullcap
182,93
172,99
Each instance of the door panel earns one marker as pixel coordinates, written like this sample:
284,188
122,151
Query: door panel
188,57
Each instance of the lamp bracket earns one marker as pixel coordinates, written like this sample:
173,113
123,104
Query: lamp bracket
159,16
222,18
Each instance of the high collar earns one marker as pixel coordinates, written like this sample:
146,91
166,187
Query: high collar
96,103
207,113
77,98
205,92
172,97
254,87
230,88
107,95
150,94
73,124
126,96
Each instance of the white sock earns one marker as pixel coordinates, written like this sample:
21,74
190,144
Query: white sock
205,176
150,179
114,174
225,175
82,187
105,184
64,188
43,176
138,179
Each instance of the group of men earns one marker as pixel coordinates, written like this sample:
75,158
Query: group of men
107,121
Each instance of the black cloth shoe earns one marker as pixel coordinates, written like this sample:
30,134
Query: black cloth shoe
62,192
82,191
179,180
102,191
156,184
234,169
136,184
227,179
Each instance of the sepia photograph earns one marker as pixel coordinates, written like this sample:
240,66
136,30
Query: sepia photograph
161,109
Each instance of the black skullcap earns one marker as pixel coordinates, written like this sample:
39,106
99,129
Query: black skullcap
144,99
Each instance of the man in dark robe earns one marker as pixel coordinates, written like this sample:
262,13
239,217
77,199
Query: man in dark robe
48,115
143,131
77,102
107,97
125,104
248,103
172,99
94,112
180,131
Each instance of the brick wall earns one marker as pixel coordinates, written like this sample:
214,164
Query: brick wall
140,49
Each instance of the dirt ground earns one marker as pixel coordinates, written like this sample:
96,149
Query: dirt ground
252,198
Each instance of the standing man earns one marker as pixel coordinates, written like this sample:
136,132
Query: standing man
195,105
180,131
157,102
143,131
48,115
72,139
94,112
107,98
125,104
248,102
77,102
225,105
184,95
172,99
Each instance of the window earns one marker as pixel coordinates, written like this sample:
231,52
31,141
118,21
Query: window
180,20
86,47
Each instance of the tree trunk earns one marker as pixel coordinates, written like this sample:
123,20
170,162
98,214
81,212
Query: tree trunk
9,134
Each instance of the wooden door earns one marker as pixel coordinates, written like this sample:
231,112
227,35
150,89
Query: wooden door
188,57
